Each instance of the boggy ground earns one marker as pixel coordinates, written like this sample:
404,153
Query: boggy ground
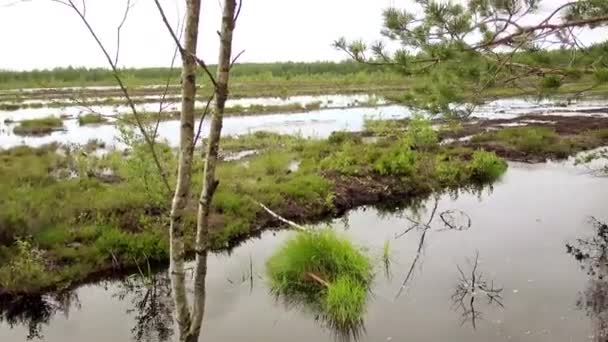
70,215
531,138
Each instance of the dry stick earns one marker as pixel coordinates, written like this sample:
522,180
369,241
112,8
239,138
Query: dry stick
125,92
281,218
317,279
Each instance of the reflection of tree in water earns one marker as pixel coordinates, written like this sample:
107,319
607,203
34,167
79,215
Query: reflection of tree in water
450,220
36,311
150,296
471,286
310,306
592,253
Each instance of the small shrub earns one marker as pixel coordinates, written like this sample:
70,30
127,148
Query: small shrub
486,166
347,160
26,269
451,173
420,134
399,160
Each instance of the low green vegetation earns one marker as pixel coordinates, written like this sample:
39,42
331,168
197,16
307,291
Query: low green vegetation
91,119
40,126
326,271
90,213
538,142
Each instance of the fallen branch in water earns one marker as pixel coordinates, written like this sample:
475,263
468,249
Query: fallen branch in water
281,218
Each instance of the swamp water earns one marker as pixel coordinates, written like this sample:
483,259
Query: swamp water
519,229
338,113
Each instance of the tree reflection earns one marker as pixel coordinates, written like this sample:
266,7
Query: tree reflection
471,286
150,296
341,333
592,253
451,219
35,311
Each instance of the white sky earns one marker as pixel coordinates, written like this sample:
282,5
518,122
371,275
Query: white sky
44,34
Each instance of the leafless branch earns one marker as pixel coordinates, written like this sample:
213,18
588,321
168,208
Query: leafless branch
202,119
238,10
235,59
123,88
119,28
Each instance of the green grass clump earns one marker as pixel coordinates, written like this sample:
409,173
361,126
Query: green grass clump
486,166
39,126
345,301
91,119
345,273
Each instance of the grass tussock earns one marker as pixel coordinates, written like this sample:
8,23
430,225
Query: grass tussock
39,126
91,119
324,270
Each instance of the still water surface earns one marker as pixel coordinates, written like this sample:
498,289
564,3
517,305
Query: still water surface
519,229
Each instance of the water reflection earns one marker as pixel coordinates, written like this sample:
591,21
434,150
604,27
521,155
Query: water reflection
592,254
451,219
151,305
470,286
310,306
34,312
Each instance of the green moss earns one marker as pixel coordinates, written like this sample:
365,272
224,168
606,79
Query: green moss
38,126
91,119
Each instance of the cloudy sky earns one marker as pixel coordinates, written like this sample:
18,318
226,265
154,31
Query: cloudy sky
45,34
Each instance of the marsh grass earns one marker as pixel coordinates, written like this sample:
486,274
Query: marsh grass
84,224
532,140
40,126
91,119
324,270
386,258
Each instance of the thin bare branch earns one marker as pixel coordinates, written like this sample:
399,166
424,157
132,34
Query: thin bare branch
123,88
202,119
281,218
119,28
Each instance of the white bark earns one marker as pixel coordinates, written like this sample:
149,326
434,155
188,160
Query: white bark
184,173
209,181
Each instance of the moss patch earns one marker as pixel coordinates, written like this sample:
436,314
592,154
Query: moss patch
39,126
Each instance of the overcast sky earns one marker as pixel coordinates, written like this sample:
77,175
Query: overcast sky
44,34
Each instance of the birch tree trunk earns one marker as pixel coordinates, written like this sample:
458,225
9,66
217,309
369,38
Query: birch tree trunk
184,173
209,181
